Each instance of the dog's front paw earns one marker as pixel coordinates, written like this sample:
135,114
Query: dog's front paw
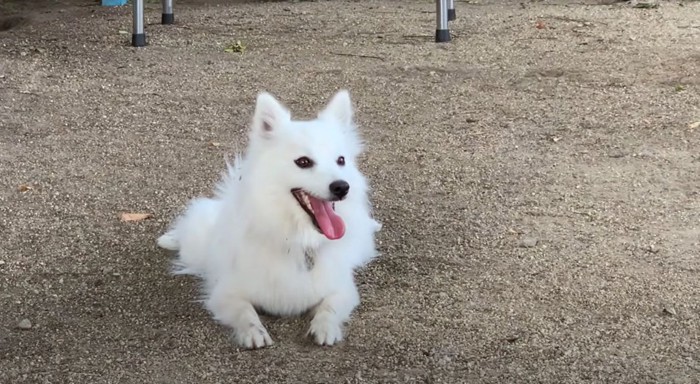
253,336
326,329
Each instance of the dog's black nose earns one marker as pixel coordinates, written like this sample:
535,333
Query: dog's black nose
339,188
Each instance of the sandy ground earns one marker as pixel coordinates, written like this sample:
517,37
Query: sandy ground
538,179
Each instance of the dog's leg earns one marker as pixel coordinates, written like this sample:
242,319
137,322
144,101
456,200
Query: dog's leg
239,314
331,313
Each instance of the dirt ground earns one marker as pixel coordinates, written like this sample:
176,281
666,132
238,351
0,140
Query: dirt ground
538,179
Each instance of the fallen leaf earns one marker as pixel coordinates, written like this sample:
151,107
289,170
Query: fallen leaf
215,144
646,5
236,47
694,125
540,24
25,188
135,216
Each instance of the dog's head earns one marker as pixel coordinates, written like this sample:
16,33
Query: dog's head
303,169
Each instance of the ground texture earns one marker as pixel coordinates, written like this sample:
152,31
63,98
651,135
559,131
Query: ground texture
538,179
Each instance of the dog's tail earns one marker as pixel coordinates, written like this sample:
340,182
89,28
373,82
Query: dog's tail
191,236
169,241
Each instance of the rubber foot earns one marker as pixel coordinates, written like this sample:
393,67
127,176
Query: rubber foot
168,18
442,35
138,39
451,15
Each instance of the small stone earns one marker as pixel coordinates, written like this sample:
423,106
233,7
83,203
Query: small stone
2,262
528,242
645,153
669,311
24,324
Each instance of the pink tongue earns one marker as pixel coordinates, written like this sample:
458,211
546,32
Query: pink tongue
331,224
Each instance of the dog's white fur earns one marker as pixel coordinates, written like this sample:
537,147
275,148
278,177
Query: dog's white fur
251,242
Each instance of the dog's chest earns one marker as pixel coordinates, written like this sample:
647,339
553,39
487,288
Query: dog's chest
290,285
309,259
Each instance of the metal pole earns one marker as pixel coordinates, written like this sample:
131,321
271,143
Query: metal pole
442,32
451,14
138,37
168,16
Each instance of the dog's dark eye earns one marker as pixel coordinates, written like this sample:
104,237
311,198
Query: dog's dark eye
304,162
340,161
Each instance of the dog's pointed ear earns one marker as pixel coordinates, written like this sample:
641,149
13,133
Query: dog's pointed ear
269,115
339,108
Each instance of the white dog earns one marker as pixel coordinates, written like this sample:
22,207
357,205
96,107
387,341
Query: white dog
287,227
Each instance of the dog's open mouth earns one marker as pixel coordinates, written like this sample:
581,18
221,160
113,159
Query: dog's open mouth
322,213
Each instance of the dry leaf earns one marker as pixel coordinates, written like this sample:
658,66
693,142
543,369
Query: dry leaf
135,216
237,47
540,24
215,144
25,188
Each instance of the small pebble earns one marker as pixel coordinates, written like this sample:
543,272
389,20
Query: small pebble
24,324
528,242
512,339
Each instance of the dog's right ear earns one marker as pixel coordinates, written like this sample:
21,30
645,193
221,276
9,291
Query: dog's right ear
269,115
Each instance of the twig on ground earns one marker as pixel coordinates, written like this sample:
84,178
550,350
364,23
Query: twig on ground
356,55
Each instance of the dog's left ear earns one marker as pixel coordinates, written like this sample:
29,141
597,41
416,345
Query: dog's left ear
339,108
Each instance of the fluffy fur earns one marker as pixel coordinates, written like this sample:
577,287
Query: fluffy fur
252,243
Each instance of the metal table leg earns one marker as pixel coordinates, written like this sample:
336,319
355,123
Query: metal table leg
168,16
138,37
442,32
